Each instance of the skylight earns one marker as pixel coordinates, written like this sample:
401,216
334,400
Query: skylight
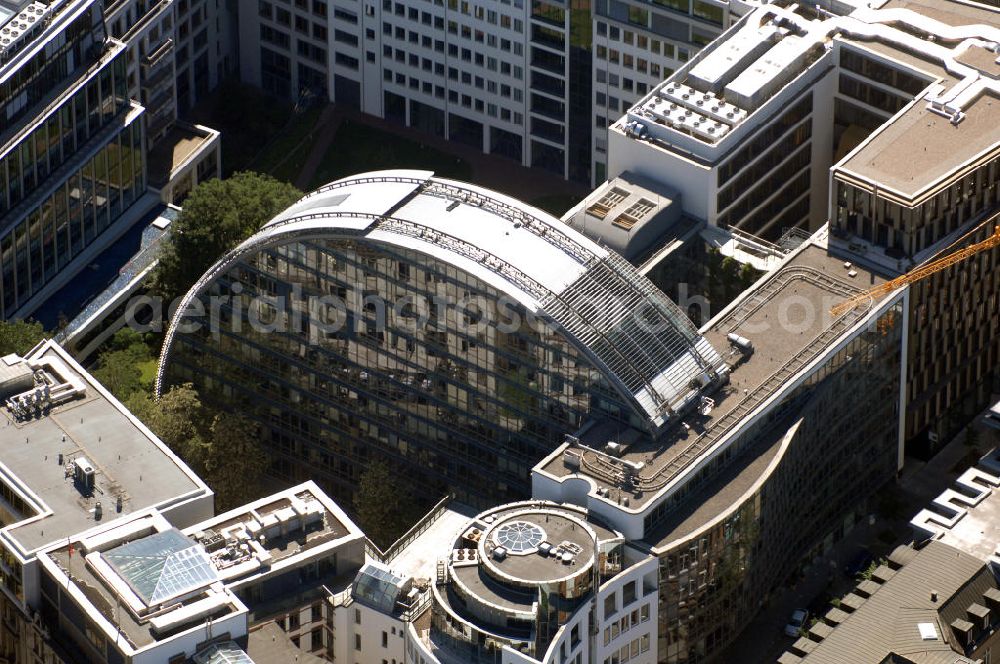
162,566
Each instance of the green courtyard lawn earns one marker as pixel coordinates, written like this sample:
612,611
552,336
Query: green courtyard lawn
286,153
247,118
358,148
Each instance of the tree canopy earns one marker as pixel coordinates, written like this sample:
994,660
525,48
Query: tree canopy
217,215
384,512
177,418
118,367
236,460
19,336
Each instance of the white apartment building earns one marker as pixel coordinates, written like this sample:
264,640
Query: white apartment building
491,75
513,78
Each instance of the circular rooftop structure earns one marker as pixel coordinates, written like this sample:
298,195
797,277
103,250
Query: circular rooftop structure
537,545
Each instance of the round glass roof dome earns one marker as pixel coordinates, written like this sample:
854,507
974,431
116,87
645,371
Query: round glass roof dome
519,536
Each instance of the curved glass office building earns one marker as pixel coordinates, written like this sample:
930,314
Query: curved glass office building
453,333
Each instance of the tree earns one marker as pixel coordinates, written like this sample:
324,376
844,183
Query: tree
20,336
217,215
175,419
235,460
118,366
118,372
384,512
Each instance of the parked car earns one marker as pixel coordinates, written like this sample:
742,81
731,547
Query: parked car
798,621
859,563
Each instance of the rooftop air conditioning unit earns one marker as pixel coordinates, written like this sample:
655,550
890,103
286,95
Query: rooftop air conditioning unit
499,553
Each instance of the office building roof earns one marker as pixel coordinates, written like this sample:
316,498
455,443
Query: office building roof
80,421
746,76
920,147
591,294
786,318
141,581
279,531
967,516
147,583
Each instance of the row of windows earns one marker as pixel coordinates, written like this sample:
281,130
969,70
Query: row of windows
624,82
478,36
466,54
69,219
302,24
304,49
765,137
665,25
629,651
654,46
491,109
488,16
318,6
763,165
627,60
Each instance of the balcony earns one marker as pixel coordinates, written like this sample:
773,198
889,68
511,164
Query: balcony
157,56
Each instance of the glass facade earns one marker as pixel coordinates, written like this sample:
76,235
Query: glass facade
66,178
713,580
431,370
46,70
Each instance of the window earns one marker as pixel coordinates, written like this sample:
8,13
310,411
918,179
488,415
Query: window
708,12
628,593
357,642
638,16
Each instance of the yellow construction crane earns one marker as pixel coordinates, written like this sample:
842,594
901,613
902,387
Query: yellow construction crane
917,274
